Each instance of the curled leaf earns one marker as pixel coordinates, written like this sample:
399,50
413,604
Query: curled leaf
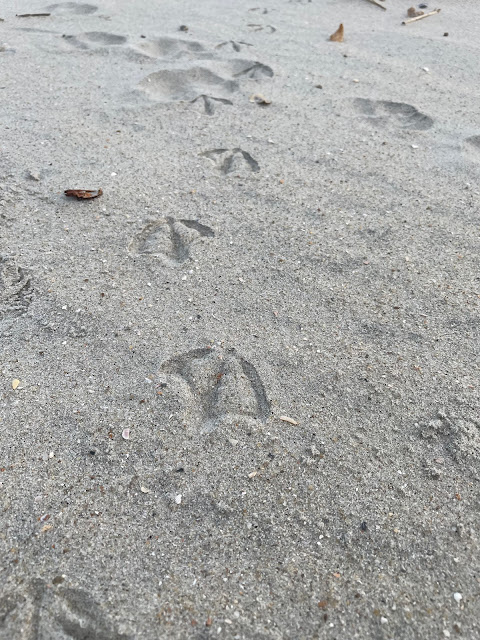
338,35
83,194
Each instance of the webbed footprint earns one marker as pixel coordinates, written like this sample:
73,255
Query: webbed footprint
169,239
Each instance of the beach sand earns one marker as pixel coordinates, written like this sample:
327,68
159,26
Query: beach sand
240,389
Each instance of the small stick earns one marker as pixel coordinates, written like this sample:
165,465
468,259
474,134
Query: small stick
425,15
379,4
32,15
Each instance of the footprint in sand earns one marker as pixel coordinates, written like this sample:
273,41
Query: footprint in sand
216,80
173,49
448,435
398,114
95,39
232,160
15,289
218,386
54,612
69,8
233,45
169,239
472,147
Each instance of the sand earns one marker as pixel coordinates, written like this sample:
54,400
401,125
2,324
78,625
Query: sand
316,259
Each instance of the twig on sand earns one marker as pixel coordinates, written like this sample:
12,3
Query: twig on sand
425,15
32,15
379,4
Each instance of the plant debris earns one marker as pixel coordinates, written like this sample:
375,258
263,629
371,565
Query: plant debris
289,420
32,15
338,35
414,13
425,15
378,4
83,194
258,98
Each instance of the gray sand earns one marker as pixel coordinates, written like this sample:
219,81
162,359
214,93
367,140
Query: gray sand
315,259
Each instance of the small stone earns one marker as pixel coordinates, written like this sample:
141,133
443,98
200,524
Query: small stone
144,490
445,35
126,434
252,475
15,383
183,27
426,69
446,633
178,499
383,620
457,596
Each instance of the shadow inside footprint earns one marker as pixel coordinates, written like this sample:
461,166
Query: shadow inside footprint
472,148
75,8
95,39
68,614
232,160
400,114
173,48
250,69
210,102
186,84
222,386
236,46
15,289
169,239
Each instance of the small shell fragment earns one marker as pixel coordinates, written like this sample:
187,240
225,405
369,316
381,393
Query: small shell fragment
178,499
258,98
126,434
15,383
253,474
289,420
144,490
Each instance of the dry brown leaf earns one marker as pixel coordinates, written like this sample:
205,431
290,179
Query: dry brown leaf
83,194
414,13
338,35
